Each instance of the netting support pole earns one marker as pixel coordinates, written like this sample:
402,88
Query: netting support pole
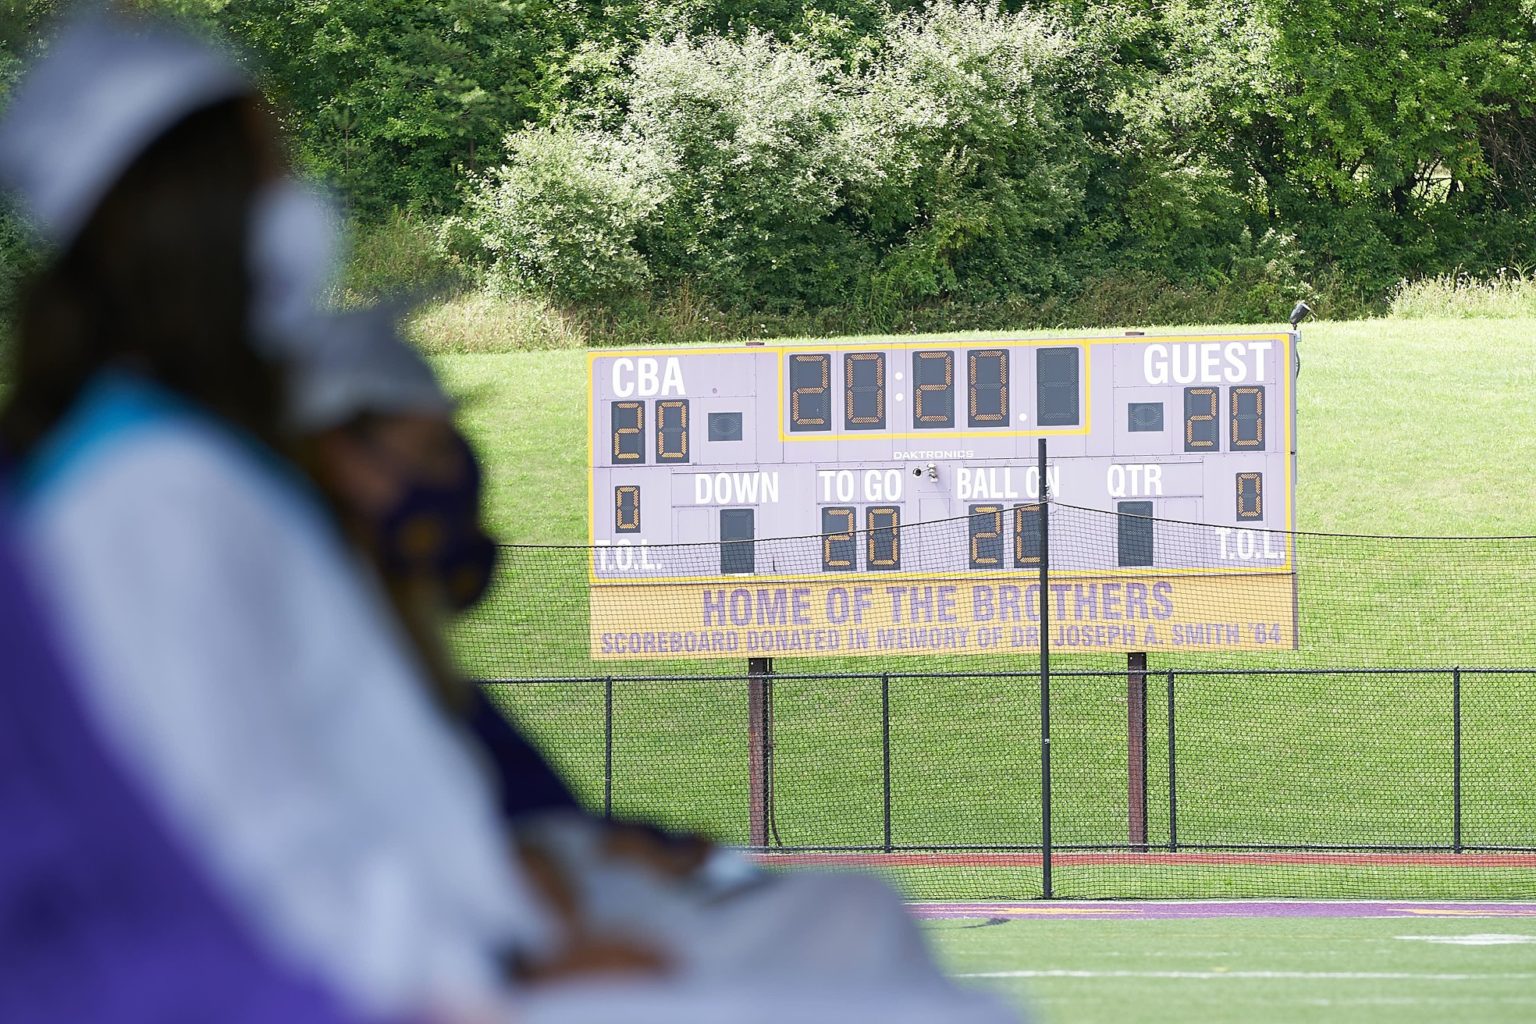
885,751
1136,748
759,745
1173,785
1046,888
608,749
1456,758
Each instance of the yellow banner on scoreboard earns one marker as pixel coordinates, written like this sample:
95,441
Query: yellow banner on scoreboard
947,616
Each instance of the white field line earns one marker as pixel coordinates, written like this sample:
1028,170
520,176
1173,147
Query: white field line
1283,975
1480,939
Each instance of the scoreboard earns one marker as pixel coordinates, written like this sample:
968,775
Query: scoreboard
908,472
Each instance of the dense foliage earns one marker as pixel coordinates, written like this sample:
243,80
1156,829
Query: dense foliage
867,164
21,25
1056,163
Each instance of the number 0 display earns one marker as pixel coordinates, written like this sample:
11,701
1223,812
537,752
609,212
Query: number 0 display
989,388
1247,418
884,533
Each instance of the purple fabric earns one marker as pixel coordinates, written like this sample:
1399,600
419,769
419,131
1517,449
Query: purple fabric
525,782
102,919
1184,909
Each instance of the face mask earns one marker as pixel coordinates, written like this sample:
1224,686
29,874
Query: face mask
295,241
433,532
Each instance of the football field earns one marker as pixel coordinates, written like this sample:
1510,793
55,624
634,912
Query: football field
1250,961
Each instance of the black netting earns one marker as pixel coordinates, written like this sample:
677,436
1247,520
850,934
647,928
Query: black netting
1299,725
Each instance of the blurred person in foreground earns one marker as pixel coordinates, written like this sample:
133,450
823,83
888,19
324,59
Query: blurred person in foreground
228,648
103,919
382,443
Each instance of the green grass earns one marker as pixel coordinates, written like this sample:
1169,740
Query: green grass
1124,880
1510,293
478,322
1412,427
1123,968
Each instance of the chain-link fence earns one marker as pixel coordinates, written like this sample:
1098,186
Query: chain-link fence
1231,713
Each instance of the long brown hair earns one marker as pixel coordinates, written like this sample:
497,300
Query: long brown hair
157,282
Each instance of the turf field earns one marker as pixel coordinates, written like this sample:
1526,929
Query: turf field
1252,962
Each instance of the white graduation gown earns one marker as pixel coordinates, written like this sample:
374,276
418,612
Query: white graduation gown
249,673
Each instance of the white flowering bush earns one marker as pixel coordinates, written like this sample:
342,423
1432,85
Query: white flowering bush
945,164
983,164
564,214
753,133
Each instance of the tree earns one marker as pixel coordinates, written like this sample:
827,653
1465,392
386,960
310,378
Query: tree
1369,128
395,100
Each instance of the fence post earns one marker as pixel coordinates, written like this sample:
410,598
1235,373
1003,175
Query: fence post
1456,758
885,749
759,747
1173,785
608,749
1045,680
1136,749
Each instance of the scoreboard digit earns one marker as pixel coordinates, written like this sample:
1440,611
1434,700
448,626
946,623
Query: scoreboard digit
988,388
864,390
1056,387
933,404
810,402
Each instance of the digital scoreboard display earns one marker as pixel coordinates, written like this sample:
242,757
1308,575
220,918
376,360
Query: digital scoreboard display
852,448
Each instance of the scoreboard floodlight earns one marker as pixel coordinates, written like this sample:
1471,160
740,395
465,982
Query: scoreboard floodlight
850,445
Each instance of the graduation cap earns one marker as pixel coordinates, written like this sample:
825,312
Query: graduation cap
356,362
106,88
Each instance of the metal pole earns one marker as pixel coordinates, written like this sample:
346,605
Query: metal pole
885,748
608,749
1173,786
759,756
770,749
1136,748
1456,759
1045,680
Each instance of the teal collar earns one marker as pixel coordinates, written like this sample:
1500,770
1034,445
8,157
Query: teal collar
113,406
118,405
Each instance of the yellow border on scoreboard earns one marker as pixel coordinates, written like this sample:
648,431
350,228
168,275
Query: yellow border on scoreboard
779,351
1086,344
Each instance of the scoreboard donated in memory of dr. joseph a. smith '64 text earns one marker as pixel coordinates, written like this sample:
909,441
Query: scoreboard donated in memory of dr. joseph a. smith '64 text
884,498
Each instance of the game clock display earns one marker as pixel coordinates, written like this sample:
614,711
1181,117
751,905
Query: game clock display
849,444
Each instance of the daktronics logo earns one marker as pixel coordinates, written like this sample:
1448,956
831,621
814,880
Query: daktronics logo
968,453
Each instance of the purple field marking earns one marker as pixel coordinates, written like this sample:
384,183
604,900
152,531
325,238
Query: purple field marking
1221,908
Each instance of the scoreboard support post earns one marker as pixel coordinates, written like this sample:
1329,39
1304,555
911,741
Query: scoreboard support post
1047,892
1136,747
1136,736
760,748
